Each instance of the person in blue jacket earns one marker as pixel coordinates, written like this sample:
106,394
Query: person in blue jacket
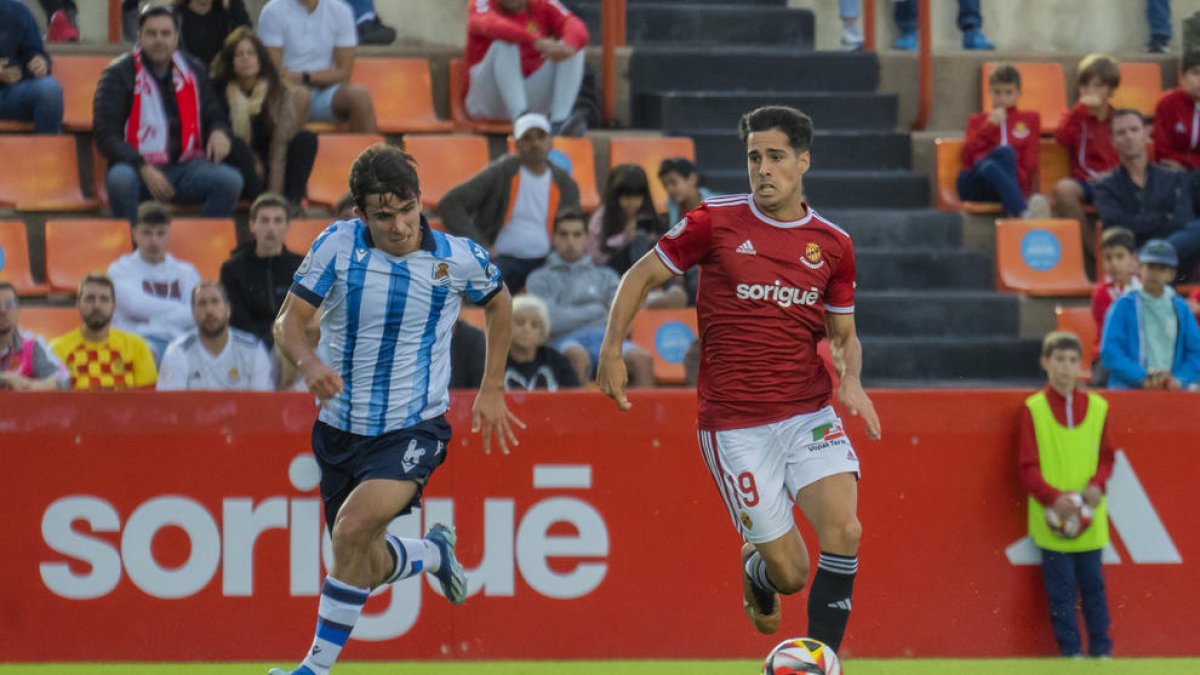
1150,338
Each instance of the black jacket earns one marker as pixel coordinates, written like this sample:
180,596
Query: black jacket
114,100
257,287
1163,206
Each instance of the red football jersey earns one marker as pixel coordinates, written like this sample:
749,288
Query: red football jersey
765,286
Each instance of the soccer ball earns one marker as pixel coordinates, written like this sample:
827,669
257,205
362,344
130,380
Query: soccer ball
1075,525
802,656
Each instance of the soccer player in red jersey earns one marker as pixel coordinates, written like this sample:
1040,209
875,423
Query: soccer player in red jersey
775,278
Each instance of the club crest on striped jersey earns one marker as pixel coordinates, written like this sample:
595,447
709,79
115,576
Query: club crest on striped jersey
677,229
812,256
441,274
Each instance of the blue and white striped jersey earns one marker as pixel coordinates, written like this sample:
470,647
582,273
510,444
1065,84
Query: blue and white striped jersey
387,321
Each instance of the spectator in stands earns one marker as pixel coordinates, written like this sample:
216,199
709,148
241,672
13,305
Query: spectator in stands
525,56
26,363
578,294
1158,16
371,31
153,287
679,178
1000,153
27,90
312,43
626,225
98,356
214,356
468,347
1085,133
256,278
514,231
1065,458
970,22
1151,340
60,20
531,363
1176,126
167,147
1151,201
267,115
1118,250
344,209
204,24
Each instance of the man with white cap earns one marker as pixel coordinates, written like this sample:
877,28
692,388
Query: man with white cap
511,205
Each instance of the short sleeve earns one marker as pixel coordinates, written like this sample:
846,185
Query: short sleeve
145,374
270,28
688,242
347,31
839,297
173,374
318,271
482,277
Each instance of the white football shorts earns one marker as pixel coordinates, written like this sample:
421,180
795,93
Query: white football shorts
759,470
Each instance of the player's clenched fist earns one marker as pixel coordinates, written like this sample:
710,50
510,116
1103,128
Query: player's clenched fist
321,380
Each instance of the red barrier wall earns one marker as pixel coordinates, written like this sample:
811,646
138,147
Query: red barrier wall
131,521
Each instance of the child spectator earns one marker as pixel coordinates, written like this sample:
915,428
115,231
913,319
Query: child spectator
531,364
626,225
1151,340
1000,153
26,362
257,276
1065,454
1119,249
98,356
1085,133
1176,125
684,192
153,288
204,24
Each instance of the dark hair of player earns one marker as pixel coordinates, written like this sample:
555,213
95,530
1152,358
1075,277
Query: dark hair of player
796,125
382,170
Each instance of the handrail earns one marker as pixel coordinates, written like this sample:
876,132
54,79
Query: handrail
612,28
925,60
868,27
114,21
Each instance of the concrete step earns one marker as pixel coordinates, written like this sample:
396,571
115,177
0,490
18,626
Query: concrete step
747,68
894,229
999,360
841,189
892,270
649,23
937,314
721,110
840,150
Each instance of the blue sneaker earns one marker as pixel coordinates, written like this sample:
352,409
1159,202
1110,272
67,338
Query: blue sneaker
302,670
907,42
975,40
450,575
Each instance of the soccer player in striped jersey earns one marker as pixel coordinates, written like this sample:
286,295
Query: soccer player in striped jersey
390,289
775,278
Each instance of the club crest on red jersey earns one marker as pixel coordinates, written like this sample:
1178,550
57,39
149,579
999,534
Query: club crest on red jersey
1020,130
812,256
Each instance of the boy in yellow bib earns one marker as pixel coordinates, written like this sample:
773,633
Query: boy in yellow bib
1065,451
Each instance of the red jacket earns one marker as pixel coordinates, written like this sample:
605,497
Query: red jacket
1021,131
1088,141
1177,128
488,22
1067,415
1105,292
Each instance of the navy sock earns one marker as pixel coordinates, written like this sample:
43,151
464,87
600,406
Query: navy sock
829,598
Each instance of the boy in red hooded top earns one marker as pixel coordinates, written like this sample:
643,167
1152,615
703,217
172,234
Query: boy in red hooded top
1177,119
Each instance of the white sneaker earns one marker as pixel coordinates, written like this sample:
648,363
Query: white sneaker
1037,209
852,39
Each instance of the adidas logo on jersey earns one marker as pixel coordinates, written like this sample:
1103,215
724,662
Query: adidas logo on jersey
784,296
747,248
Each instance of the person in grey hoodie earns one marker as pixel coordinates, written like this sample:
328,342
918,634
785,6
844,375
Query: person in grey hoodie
578,293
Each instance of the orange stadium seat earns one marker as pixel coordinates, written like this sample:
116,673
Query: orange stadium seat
46,176
14,259
1043,90
949,165
648,152
444,161
1141,85
1053,165
458,106
1079,320
75,248
79,76
667,334
15,127
331,171
473,316
302,232
402,92
1040,257
204,242
583,167
49,322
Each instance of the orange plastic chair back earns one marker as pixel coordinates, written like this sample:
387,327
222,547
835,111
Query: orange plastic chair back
667,334
75,248
14,259
203,242
445,161
50,322
1040,257
302,232
41,173
458,106
402,91
1079,320
79,76
583,167
336,153
648,152
1043,90
1141,86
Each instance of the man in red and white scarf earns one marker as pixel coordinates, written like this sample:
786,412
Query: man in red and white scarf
160,126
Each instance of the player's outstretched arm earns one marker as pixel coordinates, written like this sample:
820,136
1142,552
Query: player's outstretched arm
291,336
847,359
490,414
647,273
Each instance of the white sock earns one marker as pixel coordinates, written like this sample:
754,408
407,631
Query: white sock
341,605
413,556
